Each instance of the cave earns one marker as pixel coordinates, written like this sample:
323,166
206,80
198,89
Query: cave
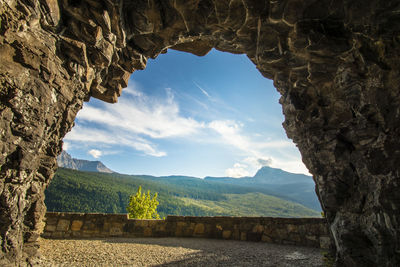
335,64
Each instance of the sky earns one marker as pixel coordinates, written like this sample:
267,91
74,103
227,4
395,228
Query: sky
187,115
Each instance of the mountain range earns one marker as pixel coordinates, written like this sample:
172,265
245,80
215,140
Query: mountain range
92,187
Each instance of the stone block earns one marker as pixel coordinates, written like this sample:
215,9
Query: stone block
51,219
311,237
62,225
117,225
199,229
147,232
76,234
106,226
188,232
161,228
141,223
226,234
76,225
281,233
116,231
258,228
50,228
236,234
152,223
57,234
291,228
324,242
243,236
266,238
46,234
179,231
295,237
180,224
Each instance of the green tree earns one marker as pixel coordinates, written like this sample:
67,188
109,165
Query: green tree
142,206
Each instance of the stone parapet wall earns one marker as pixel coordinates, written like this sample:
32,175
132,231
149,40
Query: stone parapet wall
293,231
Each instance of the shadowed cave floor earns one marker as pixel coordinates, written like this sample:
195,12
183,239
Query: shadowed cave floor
173,252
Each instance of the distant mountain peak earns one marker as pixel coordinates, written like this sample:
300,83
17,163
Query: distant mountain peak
268,170
277,176
65,160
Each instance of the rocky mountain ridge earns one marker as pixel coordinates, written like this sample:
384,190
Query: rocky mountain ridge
268,175
66,161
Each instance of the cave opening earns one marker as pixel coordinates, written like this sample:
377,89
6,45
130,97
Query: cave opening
189,116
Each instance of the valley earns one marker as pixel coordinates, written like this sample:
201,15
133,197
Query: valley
82,191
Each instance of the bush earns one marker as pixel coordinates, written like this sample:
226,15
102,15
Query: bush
142,206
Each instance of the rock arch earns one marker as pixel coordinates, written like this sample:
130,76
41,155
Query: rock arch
335,64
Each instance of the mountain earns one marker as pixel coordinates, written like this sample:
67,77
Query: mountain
78,191
268,175
65,160
181,195
299,188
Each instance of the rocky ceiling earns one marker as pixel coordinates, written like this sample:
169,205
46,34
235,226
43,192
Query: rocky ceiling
335,63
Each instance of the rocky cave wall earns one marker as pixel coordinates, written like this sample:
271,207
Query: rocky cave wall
335,63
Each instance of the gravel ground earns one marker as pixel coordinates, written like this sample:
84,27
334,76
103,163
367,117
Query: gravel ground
173,252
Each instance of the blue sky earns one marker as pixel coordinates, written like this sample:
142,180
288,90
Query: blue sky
188,115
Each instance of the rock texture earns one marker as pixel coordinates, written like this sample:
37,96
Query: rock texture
65,160
335,63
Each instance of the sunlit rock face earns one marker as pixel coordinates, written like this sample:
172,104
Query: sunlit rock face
335,63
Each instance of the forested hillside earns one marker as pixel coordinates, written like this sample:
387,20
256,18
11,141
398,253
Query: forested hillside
78,191
299,188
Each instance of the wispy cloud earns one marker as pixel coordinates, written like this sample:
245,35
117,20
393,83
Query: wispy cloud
139,114
133,121
231,133
256,154
219,103
140,122
85,135
202,90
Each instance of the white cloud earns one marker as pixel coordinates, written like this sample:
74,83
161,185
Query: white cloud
140,114
95,153
133,91
265,162
257,154
238,170
97,136
139,122
247,167
256,163
66,146
231,133
133,121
